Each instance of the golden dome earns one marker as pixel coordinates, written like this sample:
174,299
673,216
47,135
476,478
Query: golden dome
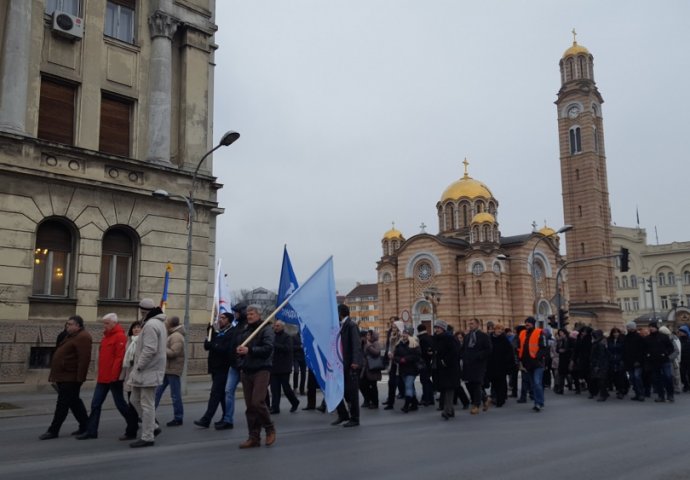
547,231
393,234
483,217
575,50
466,187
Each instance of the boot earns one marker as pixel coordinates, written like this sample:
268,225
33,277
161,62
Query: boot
406,407
414,406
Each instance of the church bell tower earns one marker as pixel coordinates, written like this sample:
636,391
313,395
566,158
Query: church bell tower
585,192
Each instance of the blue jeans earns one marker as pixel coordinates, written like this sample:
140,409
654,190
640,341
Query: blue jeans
100,393
175,394
535,380
230,387
635,375
409,385
662,376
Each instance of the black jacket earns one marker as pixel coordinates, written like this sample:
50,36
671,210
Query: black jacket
220,350
282,353
633,350
446,363
502,358
475,357
657,348
352,344
260,355
600,360
407,358
426,347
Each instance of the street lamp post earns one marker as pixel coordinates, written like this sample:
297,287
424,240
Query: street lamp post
225,141
433,296
563,229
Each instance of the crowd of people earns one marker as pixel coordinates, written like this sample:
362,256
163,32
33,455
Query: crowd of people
476,369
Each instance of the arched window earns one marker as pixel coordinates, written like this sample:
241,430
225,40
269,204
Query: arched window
582,248
388,295
449,216
686,277
618,283
583,68
585,285
485,233
463,287
579,210
477,268
53,259
386,251
475,234
116,264
661,279
671,278
596,139
575,140
479,287
633,281
570,69
624,280
465,220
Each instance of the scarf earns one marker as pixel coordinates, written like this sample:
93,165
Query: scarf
128,360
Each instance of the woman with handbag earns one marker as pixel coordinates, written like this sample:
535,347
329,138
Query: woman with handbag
371,373
408,356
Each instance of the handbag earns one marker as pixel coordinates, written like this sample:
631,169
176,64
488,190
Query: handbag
375,364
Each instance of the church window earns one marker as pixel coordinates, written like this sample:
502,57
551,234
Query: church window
479,287
577,174
486,233
583,68
624,281
579,210
388,295
465,221
449,216
671,278
633,281
478,268
585,285
387,277
496,286
582,247
662,279
463,287
570,67
618,283
596,139
424,271
497,268
475,234
575,140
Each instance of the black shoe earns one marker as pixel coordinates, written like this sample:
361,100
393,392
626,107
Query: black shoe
351,423
48,436
78,432
521,400
294,408
86,436
445,416
536,408
321,408
309,408
223,426
339,421
388,407
275,412
201,423
125,437
157,431
174,423
141,443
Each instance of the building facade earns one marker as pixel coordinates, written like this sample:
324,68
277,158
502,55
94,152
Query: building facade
101,103
363,303
658,281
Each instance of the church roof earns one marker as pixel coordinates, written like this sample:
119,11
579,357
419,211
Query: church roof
364,290
515,239
466,187
483,217
575,49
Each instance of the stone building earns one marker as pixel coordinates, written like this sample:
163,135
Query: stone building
101,103
469,270
658,281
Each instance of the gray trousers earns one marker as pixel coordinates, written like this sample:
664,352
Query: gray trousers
144,401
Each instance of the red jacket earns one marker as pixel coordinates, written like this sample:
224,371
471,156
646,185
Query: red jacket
110,354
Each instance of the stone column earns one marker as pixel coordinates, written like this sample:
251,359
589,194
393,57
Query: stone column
162,27
15,67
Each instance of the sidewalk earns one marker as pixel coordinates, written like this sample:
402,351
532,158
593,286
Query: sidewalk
42,402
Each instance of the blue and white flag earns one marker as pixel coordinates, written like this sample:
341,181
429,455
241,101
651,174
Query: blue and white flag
221,295
288,285
316,306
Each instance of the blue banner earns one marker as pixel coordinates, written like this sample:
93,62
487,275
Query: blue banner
288,285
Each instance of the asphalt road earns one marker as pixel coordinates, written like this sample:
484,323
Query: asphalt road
572,438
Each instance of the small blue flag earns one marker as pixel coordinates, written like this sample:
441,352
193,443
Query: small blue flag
288,285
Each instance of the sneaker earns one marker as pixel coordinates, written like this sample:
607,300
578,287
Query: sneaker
536,408
48,436
141,443
294,407
174,423
201,423
223,426
86,436
351,423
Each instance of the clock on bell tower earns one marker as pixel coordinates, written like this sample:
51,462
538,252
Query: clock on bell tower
585,191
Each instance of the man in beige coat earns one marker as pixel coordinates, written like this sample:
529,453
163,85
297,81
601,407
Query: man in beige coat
173,370
148,370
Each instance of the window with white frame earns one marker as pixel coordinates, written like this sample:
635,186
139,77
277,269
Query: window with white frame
635,304
53,259
575,140
116,265
67,6
664,302
119,20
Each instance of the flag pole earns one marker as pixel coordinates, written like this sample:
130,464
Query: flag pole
265,322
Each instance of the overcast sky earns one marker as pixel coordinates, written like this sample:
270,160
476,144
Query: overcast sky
357,113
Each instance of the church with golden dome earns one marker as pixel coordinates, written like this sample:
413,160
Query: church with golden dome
469,270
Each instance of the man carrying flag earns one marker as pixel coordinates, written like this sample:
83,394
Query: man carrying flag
352,363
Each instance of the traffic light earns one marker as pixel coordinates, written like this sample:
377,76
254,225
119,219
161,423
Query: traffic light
625,259
562,318
552,321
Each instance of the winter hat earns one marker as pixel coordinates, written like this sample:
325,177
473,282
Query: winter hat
654,324
239,307
146,304
530,320
441,324
631,326
685,329
665,331
597,335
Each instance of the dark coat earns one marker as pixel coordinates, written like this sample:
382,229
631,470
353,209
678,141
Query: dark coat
684,350
476,357
407,358
282,353
633,350
615,348
502,358
220,350
426,346
600,360
446,363
70,362
236,329
298,348
372,349
564,348
583,351
352,344
658,347
260,355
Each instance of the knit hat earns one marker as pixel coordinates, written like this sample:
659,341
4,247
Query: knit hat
685,329
665,331
530,320
441,324
146,304
631,325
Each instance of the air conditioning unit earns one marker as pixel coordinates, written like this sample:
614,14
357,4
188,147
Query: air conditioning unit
68,25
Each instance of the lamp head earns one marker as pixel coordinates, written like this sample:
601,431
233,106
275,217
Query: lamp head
228,138
160,193
565,228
